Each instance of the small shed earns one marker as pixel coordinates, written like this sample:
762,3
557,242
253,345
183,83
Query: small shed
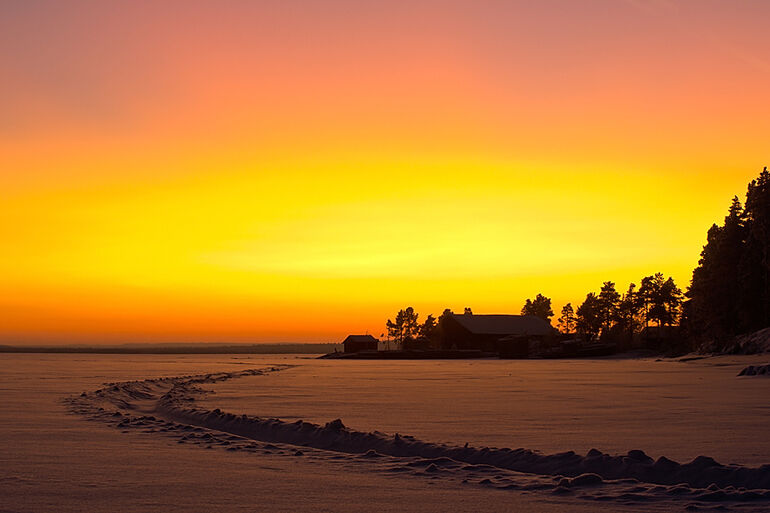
357,343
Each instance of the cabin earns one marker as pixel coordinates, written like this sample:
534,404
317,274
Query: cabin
507,335
358,343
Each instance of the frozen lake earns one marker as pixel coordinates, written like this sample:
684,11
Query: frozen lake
666,408
110,459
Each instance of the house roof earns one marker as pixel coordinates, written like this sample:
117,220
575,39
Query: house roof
503,324
360,338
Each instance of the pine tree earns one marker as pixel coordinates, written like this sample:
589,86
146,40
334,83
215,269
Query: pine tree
405,327
608,304
540,307
730,288
754,273
428,328
589,321
661,298
627,314
567,321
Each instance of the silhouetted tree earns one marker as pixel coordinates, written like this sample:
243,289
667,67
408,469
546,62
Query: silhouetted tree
628,319
715,290
405,326
661,299
608,304
447,312
428,328
441,323
589,320
540,307
672,298
468,311
730,288
754,271
567,321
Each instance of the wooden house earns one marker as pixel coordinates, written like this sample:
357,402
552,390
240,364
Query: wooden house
503,334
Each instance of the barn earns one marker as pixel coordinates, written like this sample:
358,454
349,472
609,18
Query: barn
504,334
357,343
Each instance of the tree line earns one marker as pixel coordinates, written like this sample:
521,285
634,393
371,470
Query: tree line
609,314
407,327
729,293
730,289
615,315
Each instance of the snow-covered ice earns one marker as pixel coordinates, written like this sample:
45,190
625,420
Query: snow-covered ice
421,436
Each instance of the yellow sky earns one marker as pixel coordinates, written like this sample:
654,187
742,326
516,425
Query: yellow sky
297,171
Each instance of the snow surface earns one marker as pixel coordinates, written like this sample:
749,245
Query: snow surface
129,433
670,408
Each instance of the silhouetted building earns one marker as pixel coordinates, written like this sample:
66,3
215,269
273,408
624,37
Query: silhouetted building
509,335
356,343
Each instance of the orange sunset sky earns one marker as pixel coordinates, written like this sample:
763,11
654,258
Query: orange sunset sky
299,170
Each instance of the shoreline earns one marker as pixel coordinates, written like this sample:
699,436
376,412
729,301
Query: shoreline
203,348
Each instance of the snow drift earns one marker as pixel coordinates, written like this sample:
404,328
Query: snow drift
167,405
756,370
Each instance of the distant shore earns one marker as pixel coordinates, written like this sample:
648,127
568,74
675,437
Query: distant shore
182,348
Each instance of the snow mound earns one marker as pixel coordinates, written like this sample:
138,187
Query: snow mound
633,477
750,343
756,370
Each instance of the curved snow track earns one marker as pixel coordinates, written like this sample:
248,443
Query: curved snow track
167,406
